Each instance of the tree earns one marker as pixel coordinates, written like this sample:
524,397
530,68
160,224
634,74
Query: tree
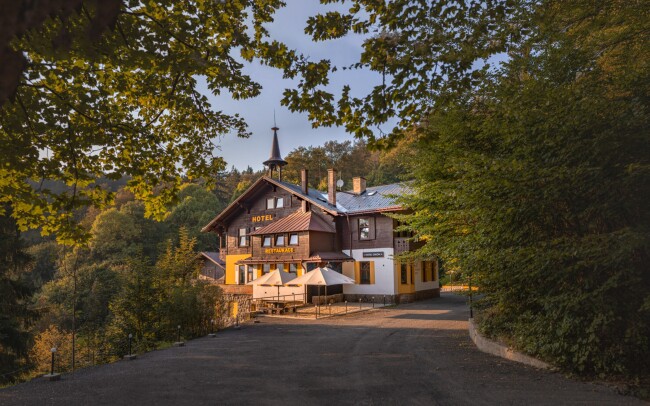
108,88
15,295
536,184
196,208
421,51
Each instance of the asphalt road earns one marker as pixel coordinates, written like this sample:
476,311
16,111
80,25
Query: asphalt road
415,354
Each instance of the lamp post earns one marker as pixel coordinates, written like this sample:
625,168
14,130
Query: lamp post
179,333
346,307
373,302
359,303
211,328
471,310
52,367
52,376
130,337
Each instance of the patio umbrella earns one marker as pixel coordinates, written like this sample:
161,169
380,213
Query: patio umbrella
275,278
323,277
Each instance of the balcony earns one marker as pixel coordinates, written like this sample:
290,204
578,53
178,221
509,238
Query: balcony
401,244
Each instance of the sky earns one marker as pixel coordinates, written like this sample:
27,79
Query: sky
295,128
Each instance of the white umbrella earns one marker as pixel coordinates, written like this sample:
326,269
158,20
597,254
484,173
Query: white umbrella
275,278
322,277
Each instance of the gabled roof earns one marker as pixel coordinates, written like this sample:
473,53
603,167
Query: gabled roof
314,197
374,199
298,221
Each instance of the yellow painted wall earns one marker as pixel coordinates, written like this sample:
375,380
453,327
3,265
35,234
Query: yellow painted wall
231,267
409,286
349,269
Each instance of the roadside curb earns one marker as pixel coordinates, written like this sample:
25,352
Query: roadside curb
502,351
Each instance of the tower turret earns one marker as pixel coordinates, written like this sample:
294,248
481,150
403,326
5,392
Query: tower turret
275,161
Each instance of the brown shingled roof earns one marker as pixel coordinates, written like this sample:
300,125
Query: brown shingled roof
298,221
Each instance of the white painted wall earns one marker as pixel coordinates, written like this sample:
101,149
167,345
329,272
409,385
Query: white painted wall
384,274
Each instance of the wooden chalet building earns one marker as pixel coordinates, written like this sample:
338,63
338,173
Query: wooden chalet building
294,228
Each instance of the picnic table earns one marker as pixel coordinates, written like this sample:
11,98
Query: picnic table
278,306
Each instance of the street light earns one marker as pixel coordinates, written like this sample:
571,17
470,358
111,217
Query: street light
130,337
52,368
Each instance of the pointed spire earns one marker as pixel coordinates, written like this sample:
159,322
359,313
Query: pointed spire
275,161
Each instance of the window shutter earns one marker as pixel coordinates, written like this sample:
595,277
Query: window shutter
372,272
357,273
372,228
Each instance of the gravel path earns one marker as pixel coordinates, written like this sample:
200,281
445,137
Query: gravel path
415,354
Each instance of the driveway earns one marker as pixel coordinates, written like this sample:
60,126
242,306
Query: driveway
414,354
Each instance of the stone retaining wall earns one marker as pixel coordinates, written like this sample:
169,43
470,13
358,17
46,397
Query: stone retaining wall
501,350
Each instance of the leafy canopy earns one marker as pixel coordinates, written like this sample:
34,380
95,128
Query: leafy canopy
122,101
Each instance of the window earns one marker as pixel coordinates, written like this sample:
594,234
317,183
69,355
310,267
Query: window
403,274
364,273
275,202
293,268
266,241
425,270
266,268
250,273
279,240
367,228
243,237
280,267
241,274
293,239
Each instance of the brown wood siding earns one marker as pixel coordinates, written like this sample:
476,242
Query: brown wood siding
322,241
257,208
383,233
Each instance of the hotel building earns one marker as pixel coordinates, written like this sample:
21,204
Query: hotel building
294,228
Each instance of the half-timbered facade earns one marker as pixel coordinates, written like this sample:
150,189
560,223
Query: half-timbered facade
294,228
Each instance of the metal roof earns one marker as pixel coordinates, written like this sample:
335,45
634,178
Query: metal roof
325,256
298,221
374,198
213,257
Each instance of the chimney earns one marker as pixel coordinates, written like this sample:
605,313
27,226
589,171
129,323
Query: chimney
304,184
358,185
331,186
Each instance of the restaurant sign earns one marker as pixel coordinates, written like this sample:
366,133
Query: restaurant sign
284,250
373,254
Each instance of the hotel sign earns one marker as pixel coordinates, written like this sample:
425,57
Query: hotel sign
266,217
285,250
375,254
